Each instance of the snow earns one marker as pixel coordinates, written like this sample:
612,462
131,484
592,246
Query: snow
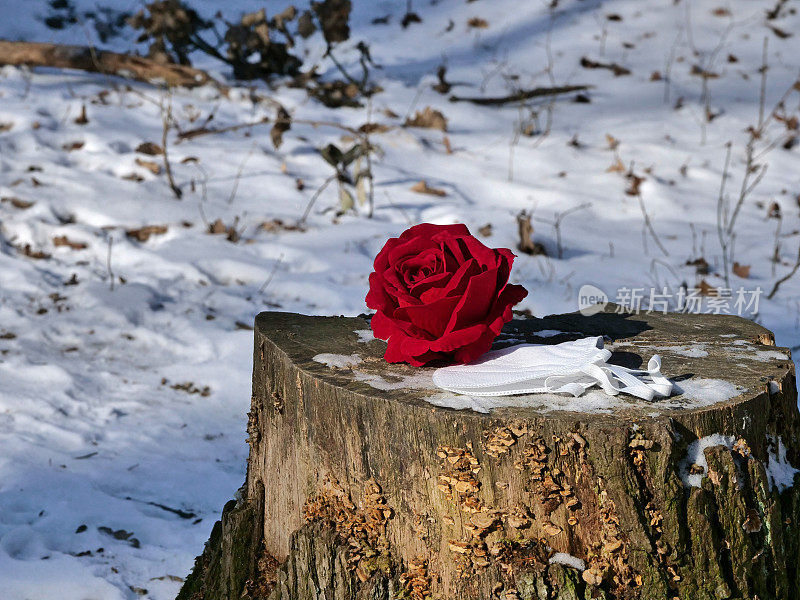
364,335
549,333
695,456
705,392
779,470
153,374
562,558
694,351
421,380
338,361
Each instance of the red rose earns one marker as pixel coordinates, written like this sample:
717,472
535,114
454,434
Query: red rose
439,293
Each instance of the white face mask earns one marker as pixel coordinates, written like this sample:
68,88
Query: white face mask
570,367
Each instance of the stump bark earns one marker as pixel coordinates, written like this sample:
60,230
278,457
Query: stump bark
359,486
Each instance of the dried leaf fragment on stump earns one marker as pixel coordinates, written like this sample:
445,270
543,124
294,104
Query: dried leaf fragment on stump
752,523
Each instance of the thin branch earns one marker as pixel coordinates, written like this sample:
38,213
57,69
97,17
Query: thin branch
722,216
649,225
786,277
108,263
166,118
239,173
301,223
265,285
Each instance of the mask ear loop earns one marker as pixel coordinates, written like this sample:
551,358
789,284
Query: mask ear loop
570,387
660,384
615,379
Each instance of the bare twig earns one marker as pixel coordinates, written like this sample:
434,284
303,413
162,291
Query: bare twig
668,65
271,276
367,146
722,217
551,104
199,131
648,224
108,264
167,122
301,223
556,223
763,95
786,277
239,173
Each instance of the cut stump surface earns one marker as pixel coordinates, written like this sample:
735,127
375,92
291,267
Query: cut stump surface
364,482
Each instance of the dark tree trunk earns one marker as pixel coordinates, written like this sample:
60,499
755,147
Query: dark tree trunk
358,487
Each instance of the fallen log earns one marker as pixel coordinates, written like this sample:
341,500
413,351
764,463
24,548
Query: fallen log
520,96
363,481
85,58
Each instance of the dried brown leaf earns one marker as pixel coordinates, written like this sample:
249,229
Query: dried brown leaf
741,270
62,240
429,118
142,234
150,165
149,148
422,187
477,23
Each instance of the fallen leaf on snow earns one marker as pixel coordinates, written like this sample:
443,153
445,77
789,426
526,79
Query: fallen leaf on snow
143,233
150,165
429,118
742,271
423,188
62,240
17,202
149,148
477,23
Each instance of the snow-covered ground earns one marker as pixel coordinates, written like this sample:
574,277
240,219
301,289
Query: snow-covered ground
122,407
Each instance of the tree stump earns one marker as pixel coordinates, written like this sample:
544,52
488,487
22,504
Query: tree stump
361,484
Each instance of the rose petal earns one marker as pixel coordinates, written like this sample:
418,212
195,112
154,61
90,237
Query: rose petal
458,284
476,301
431,318
429,230
419,290
454,340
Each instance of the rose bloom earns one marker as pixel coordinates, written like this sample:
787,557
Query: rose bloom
440,294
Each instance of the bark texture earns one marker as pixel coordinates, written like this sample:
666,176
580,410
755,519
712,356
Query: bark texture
359,488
